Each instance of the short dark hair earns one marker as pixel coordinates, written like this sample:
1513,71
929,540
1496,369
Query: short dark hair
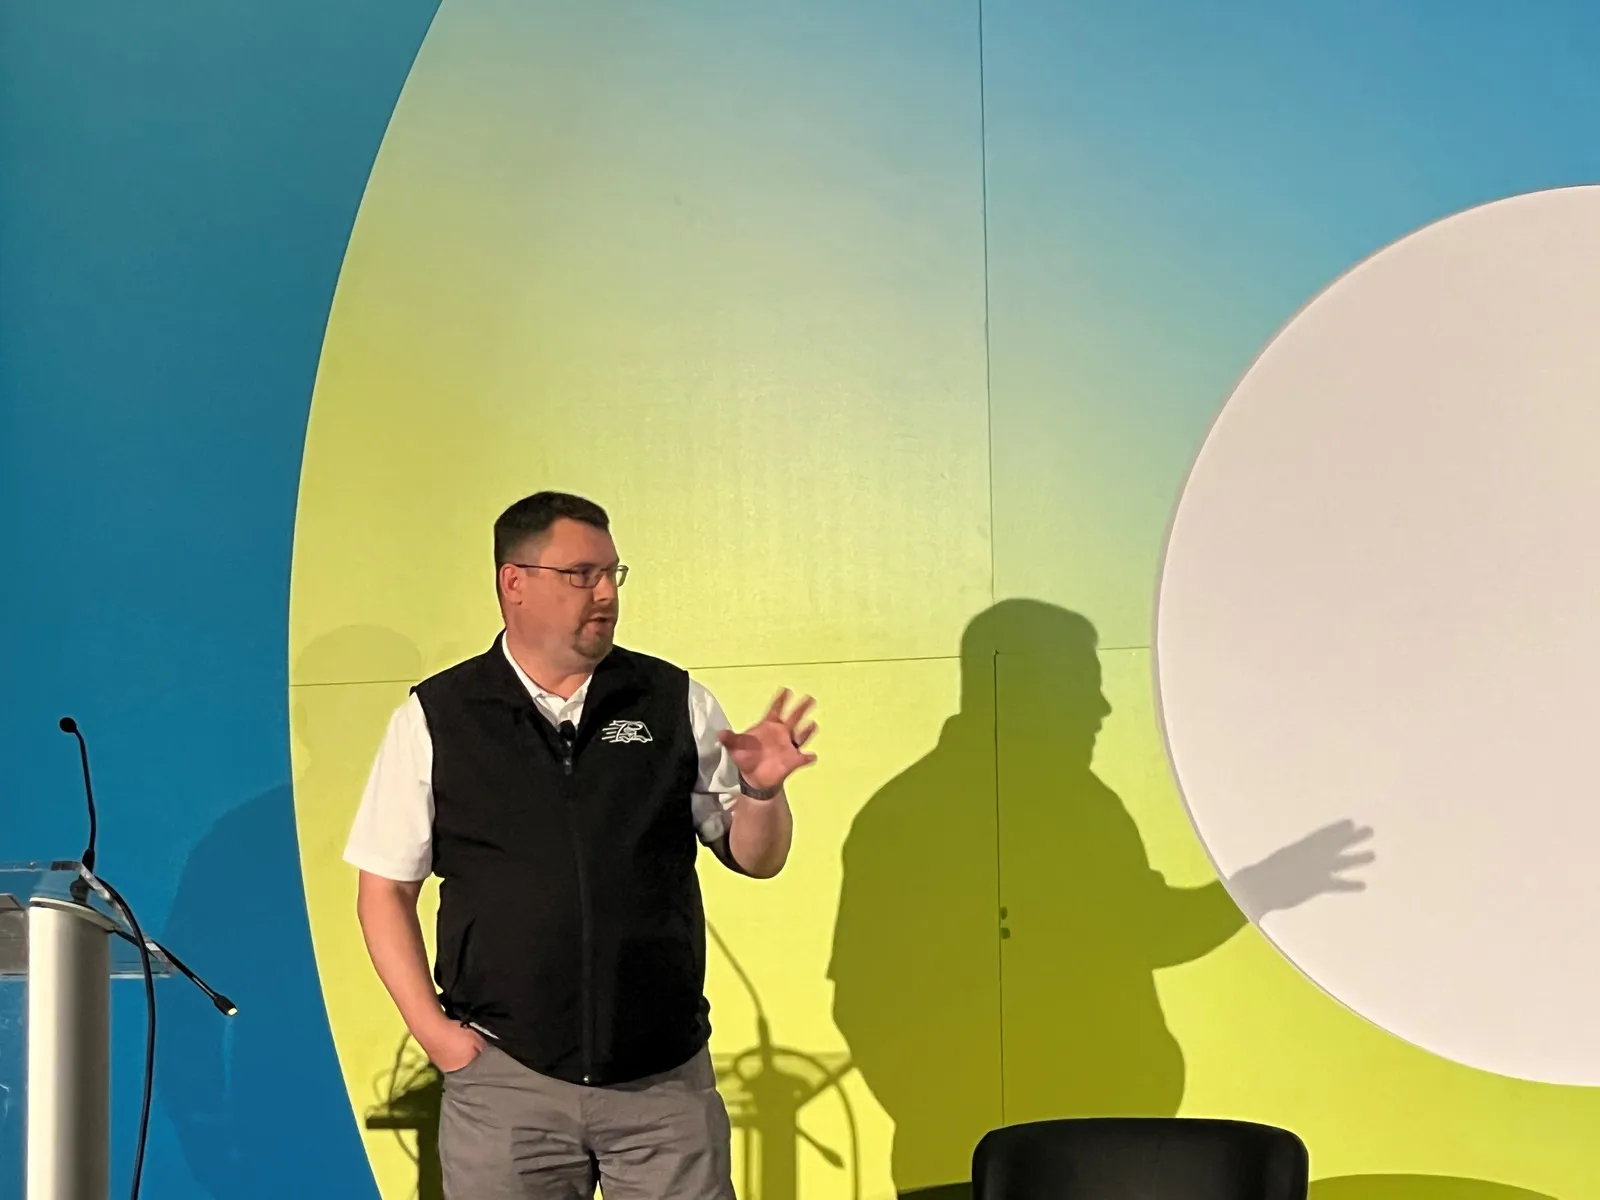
533,515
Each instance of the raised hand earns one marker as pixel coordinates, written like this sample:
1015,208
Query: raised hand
774,748
1313,866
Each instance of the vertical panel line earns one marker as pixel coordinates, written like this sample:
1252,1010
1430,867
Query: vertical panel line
988,395
988,357
999,943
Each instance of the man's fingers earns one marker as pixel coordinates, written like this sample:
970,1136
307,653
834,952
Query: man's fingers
775,712
800,711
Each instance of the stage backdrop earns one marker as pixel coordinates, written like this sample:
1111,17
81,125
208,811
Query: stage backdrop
887,332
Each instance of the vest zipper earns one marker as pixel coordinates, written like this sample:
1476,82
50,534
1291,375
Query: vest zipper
587,1002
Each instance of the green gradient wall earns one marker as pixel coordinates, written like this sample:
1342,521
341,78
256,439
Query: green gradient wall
860,324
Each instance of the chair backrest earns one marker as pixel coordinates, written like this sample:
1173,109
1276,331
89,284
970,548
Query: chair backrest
1140,1158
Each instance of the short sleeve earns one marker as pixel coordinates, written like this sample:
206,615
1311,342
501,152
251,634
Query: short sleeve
392,835
718,784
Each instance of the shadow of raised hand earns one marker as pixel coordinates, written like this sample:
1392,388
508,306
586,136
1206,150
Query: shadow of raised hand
1303,870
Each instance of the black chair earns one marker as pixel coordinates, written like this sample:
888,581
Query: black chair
1140,1158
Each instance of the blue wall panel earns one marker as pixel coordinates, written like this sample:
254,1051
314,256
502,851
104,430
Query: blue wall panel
177,185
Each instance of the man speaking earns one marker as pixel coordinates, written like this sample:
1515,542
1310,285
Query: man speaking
556,784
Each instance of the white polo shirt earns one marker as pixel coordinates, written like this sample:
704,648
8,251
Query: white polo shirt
393,831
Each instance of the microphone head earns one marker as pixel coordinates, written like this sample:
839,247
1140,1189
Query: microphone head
68,725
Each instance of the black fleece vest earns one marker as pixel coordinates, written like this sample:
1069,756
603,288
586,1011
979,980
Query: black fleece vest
570,919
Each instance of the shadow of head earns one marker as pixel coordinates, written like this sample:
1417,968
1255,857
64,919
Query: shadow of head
355,654
1049,659
238,917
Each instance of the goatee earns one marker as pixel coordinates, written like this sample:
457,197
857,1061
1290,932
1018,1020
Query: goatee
594,644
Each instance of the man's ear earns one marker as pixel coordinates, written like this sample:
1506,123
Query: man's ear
508,584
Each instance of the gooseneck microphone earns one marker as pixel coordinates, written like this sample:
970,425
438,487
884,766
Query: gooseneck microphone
222,1004
107,893
68,725
112,897
147,946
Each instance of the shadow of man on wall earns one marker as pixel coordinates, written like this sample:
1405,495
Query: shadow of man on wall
999,885
236,1091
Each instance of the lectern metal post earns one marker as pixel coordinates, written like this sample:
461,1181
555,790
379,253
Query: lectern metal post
61,947
69,1051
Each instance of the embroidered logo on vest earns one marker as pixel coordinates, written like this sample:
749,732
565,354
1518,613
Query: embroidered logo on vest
621,733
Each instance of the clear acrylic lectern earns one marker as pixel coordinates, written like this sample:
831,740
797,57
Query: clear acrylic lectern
60,947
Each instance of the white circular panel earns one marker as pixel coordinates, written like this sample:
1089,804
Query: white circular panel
1381,601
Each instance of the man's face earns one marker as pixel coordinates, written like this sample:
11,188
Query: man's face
546,607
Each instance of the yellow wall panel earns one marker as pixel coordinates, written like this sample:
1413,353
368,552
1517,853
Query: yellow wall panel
754,330
878,720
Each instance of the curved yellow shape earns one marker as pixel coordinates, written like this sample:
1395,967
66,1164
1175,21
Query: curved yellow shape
754,338
713,272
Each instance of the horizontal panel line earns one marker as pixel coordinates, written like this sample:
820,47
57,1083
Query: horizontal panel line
828,662
325,683
766,666
1098,650
769,666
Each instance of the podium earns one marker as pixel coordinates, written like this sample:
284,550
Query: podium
60,947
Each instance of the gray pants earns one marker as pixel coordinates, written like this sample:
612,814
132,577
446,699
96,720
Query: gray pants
508,1133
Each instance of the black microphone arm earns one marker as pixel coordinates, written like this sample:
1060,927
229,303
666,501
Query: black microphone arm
223,1005
68,725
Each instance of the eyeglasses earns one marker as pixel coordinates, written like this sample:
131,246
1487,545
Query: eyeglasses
583,577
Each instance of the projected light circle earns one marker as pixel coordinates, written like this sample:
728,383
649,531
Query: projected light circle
1381,600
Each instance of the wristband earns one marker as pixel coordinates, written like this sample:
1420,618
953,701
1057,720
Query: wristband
756,793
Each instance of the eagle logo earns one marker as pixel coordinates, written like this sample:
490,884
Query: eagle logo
622,733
